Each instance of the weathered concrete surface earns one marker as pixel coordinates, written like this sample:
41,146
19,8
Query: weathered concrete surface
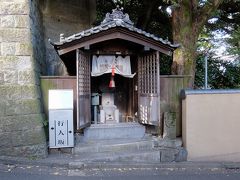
64,17
171,150
25,54
21,60
169,125
114,131
170,88
147,149
120,145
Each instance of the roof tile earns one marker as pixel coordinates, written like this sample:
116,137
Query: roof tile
116,19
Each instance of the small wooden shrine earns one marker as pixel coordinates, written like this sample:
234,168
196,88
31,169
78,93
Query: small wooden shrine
118,71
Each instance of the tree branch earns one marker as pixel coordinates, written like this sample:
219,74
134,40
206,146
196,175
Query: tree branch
194,4
204,13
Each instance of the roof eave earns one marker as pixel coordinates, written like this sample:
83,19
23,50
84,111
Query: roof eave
114,33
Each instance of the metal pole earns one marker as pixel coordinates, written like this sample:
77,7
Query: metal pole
206,73
77,59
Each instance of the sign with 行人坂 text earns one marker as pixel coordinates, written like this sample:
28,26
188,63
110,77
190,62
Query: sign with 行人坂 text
60,128
60,121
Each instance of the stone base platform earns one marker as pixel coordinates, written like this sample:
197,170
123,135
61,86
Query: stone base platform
125,142
114,131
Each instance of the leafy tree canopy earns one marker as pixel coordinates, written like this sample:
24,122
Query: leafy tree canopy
234,41
144,13
221,74
152,16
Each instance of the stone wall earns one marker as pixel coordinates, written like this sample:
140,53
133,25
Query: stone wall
25,54
67,17
37,37
21,62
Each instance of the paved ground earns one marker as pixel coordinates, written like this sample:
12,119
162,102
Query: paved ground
29,172
68,167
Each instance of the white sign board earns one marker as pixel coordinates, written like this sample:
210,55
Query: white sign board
60,99
61,133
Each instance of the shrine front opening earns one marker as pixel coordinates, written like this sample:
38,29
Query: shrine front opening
114,96
118,87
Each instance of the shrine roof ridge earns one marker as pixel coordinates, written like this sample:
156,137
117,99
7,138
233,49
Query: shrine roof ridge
116,19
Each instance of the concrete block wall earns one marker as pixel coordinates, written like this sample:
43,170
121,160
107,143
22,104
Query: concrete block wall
21,62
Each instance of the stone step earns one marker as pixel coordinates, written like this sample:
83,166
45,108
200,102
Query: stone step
148,149
139,156
114,131
119,145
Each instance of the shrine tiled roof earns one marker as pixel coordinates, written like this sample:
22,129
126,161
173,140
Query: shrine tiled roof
116,19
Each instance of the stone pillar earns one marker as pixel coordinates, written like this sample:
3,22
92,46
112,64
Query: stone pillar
169,125
21,118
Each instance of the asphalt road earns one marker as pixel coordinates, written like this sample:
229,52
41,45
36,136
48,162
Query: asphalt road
27,172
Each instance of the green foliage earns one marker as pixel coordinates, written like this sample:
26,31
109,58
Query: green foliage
165,64
158,22
227,16
46,126
221,74
106,6
204,40
103,7
226,20
235,42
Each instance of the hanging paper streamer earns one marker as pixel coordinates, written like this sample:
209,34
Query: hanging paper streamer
105,64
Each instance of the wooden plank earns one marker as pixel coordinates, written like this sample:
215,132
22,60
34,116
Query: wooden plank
148,100
84,90
170,91
158,85
59,82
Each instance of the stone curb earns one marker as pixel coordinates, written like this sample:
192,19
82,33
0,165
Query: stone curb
100,165
37,162
175,165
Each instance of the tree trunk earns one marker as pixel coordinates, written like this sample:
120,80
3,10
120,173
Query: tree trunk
183,33
187,22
